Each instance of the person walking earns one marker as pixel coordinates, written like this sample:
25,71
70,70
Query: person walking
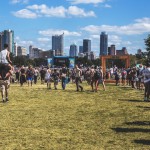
22,75
36,73
30,74
78,74
63,77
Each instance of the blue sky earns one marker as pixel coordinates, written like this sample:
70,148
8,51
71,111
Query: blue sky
127,22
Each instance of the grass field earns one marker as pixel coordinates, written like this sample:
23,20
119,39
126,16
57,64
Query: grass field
36,118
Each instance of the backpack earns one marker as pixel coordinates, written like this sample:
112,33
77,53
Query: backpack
124,74
97,74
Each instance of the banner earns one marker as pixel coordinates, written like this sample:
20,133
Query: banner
72,63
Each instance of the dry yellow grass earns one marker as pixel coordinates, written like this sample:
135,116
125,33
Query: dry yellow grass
37,118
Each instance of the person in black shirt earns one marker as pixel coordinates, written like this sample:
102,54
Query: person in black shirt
63,77
55,77
22,76
42,74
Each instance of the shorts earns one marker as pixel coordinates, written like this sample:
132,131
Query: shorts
29,78
5,68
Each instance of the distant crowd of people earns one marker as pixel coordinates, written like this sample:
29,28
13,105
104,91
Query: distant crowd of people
30,75
136,77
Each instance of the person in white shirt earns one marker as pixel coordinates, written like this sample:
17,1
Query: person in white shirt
5,63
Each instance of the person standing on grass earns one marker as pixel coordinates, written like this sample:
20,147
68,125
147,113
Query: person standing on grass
22,75
117,77
78,74
146,74
97,77
48,78
55,77
36,73
123,77
17,75
102,79
92,71
30,74
42,75
63,77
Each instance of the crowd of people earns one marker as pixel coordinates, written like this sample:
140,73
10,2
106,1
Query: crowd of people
136,77
93,76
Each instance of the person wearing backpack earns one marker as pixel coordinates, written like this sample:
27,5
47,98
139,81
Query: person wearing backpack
97,77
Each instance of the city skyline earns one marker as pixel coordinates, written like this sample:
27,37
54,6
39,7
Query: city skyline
126,22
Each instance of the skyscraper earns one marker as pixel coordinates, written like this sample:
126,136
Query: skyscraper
103,43
80,49
86,46
7,36
73,50
112,50
58,44
21,51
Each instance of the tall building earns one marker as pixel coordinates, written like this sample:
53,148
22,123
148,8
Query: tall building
7,36
86,46
122,52
21,51
34,52
92,55
112,50
80,49
47,54
15,49
139,51
58,44
31,52
73,50
103,43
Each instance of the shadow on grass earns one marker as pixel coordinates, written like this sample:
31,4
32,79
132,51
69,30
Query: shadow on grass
140,123
130,100
142,141
119,130
126,88
145,108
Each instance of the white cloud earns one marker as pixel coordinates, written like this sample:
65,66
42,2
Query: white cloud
25,13
107,6
43,10
43,40
95,36
19,1
76,11
86,1
139,27
51,32
114,38
22,42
